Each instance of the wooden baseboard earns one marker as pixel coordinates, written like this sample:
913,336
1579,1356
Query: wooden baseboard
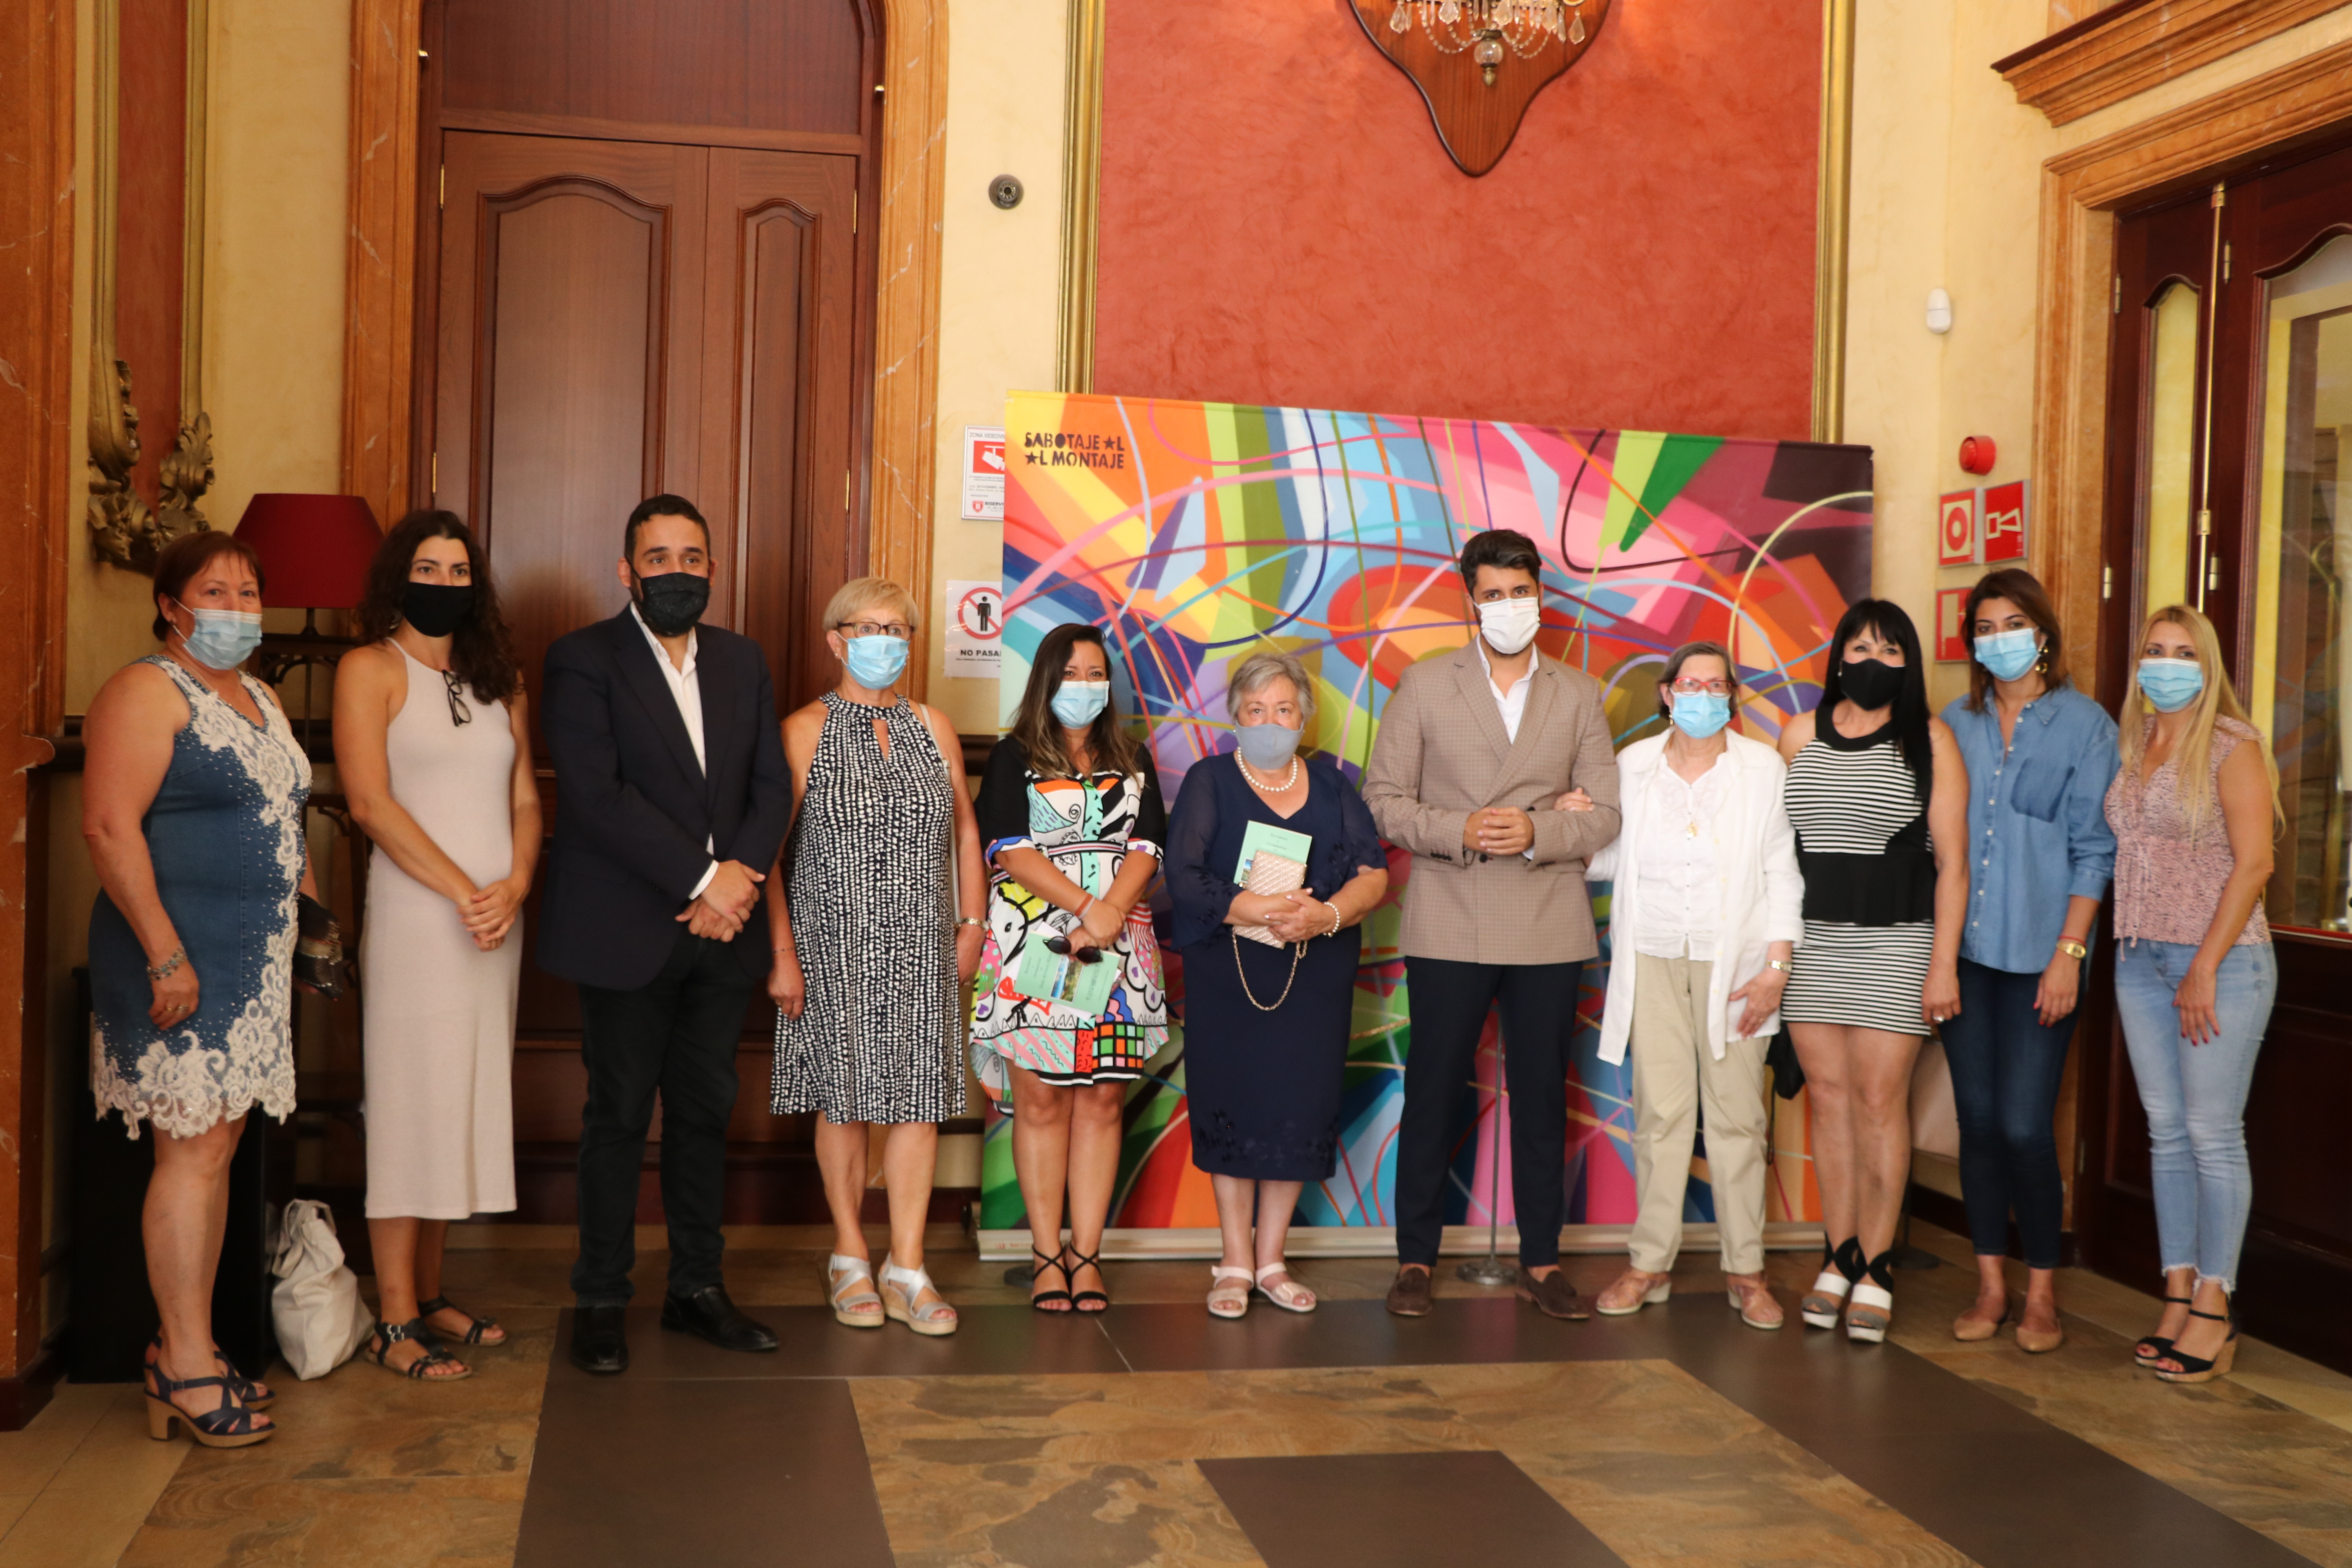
23,1396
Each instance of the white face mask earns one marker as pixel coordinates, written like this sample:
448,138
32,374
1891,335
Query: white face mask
1509,624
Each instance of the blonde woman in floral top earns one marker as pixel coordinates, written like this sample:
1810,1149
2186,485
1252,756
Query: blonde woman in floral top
2193,810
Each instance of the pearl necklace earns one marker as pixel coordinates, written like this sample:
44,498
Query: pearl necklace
1288,780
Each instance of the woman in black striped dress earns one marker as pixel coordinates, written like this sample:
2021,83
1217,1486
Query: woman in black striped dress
1878,795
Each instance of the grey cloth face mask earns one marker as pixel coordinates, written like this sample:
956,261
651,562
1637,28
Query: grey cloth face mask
1266,746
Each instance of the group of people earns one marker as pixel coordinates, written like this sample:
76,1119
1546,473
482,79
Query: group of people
1880,873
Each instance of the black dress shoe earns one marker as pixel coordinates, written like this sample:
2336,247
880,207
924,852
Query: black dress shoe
707,1314
600,1339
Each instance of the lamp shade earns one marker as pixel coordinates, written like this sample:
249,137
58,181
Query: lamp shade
314,550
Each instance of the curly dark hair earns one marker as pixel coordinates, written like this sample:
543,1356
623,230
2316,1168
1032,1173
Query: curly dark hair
482,652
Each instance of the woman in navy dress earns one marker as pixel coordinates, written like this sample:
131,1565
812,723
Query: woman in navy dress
1265,1027
191,805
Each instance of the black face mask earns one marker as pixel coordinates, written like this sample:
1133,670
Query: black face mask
1870,683
436,609
672,602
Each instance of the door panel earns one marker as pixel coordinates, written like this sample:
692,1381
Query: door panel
569,375
777,392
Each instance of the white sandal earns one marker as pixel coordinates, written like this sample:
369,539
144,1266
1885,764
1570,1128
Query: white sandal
1226,1299
1869,1313
902,1292
1820,1306
849,1288
1290,1295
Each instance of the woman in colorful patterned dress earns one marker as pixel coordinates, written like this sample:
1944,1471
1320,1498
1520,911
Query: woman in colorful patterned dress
192,806
1071,821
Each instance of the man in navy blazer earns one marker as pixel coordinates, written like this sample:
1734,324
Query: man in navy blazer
672,799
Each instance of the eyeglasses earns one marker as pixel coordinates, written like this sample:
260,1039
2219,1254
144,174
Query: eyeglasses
1692,687
1059,946
899,629
458,712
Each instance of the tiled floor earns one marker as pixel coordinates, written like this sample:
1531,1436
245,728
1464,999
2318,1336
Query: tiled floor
1674,1438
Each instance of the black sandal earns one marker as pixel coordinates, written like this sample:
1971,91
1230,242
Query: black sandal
379,1345
2201,1369
2151,1347
475,1327
227,1426
249,1394
1079,1298
1038,1300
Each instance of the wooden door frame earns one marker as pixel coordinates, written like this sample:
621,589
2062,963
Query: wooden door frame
907,193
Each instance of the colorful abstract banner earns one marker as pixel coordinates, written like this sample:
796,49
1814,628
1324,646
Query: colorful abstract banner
1193,533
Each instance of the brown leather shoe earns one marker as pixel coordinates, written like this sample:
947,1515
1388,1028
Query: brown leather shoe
1409,1297
1554,1296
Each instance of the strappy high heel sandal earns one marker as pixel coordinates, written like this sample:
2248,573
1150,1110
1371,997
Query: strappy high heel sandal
849,1290
2150,1349
1840,1266
1229,1291
249,1394
379,1345
1290,1295
1870,1310
1085,1300
2199,1369
476,1328
1044,1300
229,1425
902,1300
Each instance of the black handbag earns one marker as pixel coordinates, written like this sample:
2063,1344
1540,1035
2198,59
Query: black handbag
319,961
1780,1061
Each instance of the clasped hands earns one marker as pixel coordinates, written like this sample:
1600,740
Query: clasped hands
726,903
1294,916
1500,830
489,913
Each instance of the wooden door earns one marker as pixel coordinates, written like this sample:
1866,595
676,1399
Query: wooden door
2231,489
618,320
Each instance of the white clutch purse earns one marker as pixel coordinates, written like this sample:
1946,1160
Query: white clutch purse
1272,875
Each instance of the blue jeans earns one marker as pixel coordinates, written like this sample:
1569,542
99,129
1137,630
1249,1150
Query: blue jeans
2195,1096
2006,1067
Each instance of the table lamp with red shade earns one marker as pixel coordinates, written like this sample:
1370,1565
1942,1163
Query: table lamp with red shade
314,550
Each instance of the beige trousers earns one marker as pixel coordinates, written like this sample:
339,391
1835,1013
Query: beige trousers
1675,1073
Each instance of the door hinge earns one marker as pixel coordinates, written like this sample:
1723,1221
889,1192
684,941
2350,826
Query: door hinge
2213,573
2106,581
437,476
2117,308
845,489
442,202
2225,262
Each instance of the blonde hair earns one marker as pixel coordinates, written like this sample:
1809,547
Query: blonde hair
2216,700
865,594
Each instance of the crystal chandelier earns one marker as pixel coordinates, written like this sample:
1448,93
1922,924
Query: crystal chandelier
1487,28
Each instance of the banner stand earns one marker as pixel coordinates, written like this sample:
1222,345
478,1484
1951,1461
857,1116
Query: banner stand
1379,1240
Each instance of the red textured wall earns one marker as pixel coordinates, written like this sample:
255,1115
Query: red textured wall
1280,225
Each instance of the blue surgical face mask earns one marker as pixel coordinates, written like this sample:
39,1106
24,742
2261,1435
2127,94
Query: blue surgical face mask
876,661
1265,747
2008,653
222,639
2170,684
1700,715
1079,703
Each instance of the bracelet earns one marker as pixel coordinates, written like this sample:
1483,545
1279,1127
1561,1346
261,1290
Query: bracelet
1082,908
163,971
2072,949
1779,963
1334,917
971,921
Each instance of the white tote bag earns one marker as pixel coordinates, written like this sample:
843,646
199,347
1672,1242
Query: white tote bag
315,1304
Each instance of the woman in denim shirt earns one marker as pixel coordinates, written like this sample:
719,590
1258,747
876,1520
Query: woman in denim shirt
2040,756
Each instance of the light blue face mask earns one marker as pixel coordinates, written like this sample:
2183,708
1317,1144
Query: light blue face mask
2170,684
876,661
1265,747
2008,655
222,639
1080,702
1700,715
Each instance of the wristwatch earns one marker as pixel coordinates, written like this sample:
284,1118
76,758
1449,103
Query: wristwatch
1779,963
2072,949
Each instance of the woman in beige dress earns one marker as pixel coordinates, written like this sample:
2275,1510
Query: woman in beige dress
433,749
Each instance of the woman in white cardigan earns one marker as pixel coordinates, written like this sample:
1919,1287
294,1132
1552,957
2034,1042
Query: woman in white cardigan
1706,912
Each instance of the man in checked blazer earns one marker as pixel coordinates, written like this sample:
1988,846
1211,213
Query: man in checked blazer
1474,747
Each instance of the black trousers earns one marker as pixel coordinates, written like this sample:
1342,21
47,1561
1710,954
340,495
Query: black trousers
675,1037
1447,1002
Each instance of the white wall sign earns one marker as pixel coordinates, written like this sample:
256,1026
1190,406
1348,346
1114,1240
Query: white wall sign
976,629
984,473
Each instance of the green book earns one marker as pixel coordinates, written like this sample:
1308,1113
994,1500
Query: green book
1277,841
1045,976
